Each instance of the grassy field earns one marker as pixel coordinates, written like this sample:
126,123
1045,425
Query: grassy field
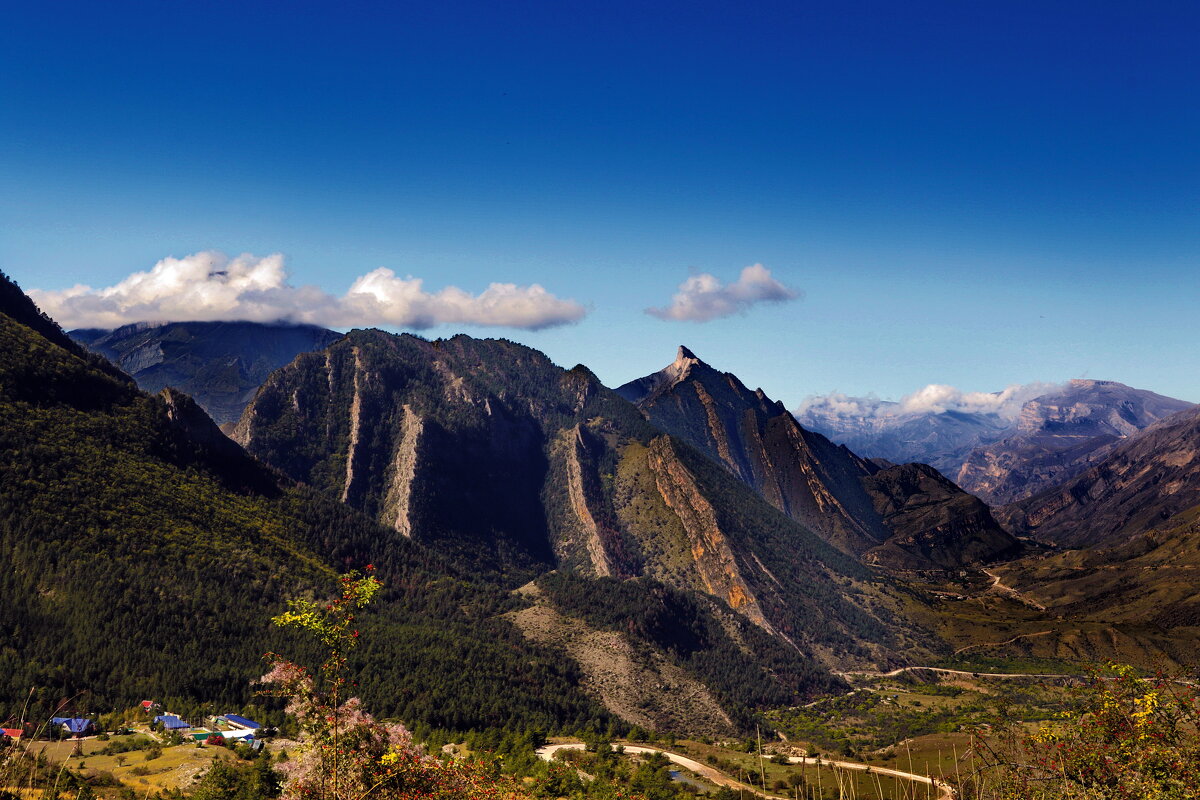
146,771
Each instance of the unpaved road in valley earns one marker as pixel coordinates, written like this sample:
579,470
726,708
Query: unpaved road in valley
945,792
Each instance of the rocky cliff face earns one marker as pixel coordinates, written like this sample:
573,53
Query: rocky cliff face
220,364
487,450
1059,436
824,486
1143,481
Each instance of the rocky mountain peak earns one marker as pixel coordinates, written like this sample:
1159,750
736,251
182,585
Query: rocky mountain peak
678,370
637,391
821,485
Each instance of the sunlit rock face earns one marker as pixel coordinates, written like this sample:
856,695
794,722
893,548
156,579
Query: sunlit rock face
824,486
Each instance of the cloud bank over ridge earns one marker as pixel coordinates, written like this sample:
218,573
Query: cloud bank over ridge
936,398
703,297
212,286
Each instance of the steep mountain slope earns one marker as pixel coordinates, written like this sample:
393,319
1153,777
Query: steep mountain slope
486,450
882,429
1134,603
1142,482
854,504
144,554
220,364
1149,579
1058,436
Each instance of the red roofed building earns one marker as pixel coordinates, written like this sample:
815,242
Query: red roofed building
12,733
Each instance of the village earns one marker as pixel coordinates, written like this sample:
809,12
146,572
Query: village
145,750
230,727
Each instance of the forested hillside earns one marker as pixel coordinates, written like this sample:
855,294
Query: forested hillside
139,562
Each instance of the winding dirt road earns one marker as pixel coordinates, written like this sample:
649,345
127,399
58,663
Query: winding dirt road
999,587
943,671
945,792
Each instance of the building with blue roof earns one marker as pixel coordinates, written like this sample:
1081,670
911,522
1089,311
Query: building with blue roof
76,726
170,722
241,722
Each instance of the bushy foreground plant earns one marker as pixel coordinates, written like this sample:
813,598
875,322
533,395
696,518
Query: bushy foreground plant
347,754
1128,738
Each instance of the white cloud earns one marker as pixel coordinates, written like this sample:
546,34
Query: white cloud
936,398
836,404
212,286
703,297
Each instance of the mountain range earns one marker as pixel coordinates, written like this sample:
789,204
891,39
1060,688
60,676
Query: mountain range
144,554
1001,459
486,450
1141,483
675,553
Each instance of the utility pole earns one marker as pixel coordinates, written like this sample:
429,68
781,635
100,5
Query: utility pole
762,773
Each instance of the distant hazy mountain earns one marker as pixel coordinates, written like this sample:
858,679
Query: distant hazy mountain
1059,435
902,516
1001,451
1143,481
220,364
883,429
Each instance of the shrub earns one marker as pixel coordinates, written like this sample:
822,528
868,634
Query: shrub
347,754
1126,738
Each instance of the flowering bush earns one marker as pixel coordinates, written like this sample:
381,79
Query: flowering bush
1129,738
346,754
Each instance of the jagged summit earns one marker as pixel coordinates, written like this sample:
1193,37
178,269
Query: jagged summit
674,373
904,517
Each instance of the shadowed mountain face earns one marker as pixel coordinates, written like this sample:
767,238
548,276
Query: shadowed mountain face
486,450
1060,435
902,516
220,364
1142,482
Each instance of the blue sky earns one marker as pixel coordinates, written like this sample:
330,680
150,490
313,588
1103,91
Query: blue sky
976,194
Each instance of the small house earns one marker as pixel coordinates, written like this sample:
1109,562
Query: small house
170,722
76,726
241,723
